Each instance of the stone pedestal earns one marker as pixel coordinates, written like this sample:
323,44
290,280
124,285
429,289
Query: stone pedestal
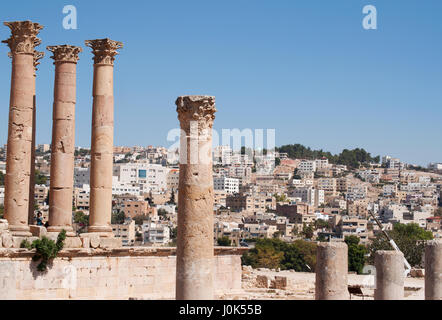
104,51
21,112
63,139
332,271
390,275
433,270
194,276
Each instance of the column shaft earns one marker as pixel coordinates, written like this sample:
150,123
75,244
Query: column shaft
195,252
390,275
21,110
433,270
332,271
102,136
63,139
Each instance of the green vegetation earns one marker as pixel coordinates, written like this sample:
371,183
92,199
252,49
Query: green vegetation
46,249
2,211
356,254
274,253
280,198
307,231
118,217
140,218
82,219
410,240
81,152
40,178
351,158
224,242
2,179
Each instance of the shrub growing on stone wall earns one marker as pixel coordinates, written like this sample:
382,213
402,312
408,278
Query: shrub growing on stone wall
46,249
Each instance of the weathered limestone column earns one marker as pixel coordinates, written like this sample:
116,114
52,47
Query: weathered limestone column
390,275
104,51
194,275
31,218
332,271
63,138
21,112
433,270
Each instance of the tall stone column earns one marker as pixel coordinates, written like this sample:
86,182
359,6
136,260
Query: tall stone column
21,112
332,271
63,138
390,275
31,217
433,270
104,51
194,272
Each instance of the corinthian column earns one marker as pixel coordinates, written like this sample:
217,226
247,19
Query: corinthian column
104,51
194,275
63,138
31,219
21,113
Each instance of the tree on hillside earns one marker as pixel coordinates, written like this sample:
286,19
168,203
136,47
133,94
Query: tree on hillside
2,179
410,239
224,242
356,254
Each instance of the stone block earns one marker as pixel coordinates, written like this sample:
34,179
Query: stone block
73,242
86,242
94,239
3,224
279,283
262,282
110,243
38,231
16,241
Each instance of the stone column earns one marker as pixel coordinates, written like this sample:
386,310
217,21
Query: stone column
104,51
433,270
21,110
332,271
63,138
194,275
31,217
390,275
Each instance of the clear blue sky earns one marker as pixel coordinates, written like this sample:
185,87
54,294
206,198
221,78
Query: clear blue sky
304,67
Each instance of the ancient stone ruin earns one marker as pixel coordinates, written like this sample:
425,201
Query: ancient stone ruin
95,265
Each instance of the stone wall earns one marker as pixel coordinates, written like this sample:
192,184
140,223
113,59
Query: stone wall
142,273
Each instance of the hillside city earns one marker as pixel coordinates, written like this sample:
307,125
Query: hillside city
294,195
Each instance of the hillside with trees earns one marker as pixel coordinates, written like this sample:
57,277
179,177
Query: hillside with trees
351,158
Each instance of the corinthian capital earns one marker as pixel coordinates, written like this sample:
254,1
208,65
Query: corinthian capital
38,55
200,109
64,53
104,50
23,38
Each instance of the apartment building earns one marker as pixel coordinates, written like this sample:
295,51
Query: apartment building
125,231
248,203
229,185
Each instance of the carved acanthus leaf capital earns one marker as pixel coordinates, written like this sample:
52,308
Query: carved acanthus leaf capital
104,50
23,38
38,55
196,108
65,53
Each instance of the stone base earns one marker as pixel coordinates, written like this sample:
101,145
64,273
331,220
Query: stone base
73,242
38,231
69,231
110,243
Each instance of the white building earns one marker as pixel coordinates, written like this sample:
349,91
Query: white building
307,166
229,185
2,195
309,195
155,233
322,163
81,177
148,177
222,155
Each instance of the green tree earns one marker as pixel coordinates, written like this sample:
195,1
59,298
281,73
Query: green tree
140,218
410,238
2,179
118,217
224,242
307,231
2,211
356,254
40,178
274,253
81,218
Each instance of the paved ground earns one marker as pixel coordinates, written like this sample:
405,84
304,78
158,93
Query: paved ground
301,286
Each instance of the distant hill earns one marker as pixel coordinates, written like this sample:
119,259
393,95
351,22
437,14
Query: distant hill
351,158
